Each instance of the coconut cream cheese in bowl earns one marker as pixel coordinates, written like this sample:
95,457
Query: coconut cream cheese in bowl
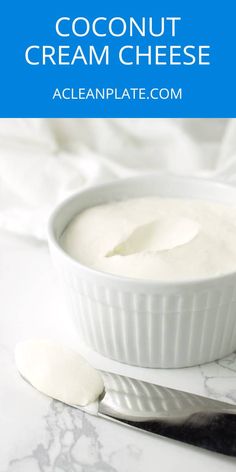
149,268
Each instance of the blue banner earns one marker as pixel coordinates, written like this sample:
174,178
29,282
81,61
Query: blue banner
126,59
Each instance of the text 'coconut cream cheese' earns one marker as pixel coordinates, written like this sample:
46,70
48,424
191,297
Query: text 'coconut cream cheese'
155,238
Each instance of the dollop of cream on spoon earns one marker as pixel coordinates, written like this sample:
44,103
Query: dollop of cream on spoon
58,371
159,235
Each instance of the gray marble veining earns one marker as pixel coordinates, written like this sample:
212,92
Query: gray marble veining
41,435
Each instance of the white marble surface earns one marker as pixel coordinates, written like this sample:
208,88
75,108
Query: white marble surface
40,435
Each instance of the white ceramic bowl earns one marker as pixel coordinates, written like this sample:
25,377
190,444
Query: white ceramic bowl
142,322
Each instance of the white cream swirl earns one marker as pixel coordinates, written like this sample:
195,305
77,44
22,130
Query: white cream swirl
155,238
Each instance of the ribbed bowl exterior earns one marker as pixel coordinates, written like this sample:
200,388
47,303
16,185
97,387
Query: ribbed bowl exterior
172,326
147,324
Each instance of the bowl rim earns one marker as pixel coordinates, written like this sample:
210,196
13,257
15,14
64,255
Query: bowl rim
53,240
